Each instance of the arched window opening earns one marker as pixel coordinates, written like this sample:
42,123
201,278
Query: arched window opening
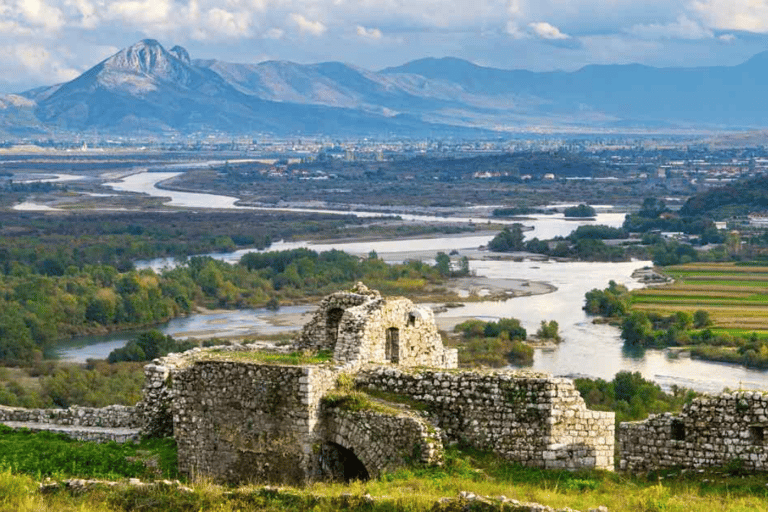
333,318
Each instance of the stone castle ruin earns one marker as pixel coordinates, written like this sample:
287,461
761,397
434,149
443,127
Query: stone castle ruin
360,326
239,414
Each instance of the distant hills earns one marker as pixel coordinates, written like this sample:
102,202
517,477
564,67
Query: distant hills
147,89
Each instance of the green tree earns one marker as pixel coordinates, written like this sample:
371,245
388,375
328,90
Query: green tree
701,319
509,239
549,330
443,264
636,329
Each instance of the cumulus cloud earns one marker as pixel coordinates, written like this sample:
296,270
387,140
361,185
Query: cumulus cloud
40,14
682,28
544,30
140,12
229,23
274,33
86,11
315,28
746,15
727,38
35,61
513,29
369,33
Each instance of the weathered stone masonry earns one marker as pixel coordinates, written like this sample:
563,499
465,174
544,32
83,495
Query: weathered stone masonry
530,418
709,432
361,327
114,423
236,418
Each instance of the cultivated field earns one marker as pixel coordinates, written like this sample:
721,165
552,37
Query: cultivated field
736,297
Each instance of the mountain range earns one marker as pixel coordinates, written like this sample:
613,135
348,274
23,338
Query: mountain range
146,89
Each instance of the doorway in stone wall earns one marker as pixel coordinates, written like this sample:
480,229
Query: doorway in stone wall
392,348
332,320
340,464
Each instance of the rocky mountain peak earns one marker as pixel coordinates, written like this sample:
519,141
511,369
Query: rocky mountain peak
181,53
150,59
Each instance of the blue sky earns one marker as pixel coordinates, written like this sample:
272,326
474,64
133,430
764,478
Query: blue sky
43,42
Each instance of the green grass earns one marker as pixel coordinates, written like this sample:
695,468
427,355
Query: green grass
736,297
745,333
294,358
417,489
46,454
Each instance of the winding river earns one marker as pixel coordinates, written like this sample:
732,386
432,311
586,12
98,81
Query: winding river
588,349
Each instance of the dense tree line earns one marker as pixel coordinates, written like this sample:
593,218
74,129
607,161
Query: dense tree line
582,210
739,198
37,309
631,396
98,384
655,216
680,329
493,344
585,243
52,244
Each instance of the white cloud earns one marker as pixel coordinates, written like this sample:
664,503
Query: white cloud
747,15
141,12
315,28
35,61
13,28
369,33
683,28
514,30
274,33
39,13
727,38
87,12
230,24
544,30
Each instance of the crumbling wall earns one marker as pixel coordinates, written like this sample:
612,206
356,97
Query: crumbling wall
384,441
239,421
113,416
362,327
530,418
316,334
709,432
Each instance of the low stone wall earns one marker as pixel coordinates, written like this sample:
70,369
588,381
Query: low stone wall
530,418
709,432
113,416
94,434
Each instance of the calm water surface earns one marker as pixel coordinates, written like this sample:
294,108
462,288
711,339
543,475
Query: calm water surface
588,349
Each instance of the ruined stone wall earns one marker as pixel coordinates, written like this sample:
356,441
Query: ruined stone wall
113,416
419,343
384,440
357,327
315,335
533,419
240,421
709,432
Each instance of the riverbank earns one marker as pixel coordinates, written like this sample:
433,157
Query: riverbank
467,288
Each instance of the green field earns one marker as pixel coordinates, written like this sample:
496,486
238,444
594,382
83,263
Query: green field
736,297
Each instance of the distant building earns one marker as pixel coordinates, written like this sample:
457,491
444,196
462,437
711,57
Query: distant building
758,220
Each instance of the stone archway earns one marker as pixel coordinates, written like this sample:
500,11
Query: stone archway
338,463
